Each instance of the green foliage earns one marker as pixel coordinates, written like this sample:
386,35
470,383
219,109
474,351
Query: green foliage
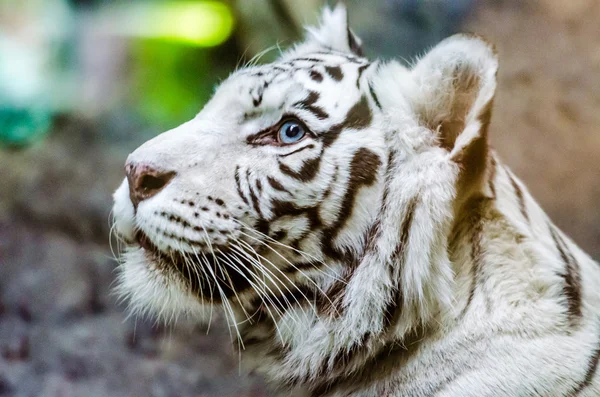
20,127
171,82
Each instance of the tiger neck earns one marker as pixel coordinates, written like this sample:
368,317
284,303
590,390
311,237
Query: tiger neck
317,343
493,239
400,284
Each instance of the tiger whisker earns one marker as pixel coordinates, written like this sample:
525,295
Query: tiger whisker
300,252
241,58
200,281
291,264
210,288
271,295
119,239
197,269
226,307
207,277
267,273
262,298
300,271
256,58
226,303
224,269
284,275
257,288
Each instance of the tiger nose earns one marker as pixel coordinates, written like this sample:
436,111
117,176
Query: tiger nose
145,181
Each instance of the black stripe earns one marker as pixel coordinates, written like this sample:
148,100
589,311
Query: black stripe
359,116
252,115
492,177
396,351
310,146
262,226
287,208
572,278
332,183
296,268
520,197
391,313
309,105
332,135
476,227
374,96
239,186
307,171
361,69
316,76
338,289
364,169
591,371
335,72
314,60
253,196
275,184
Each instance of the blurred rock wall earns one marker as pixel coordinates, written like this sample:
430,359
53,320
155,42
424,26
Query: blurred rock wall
546,123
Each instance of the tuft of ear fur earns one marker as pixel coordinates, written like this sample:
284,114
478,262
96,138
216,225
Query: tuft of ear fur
454,89
333,33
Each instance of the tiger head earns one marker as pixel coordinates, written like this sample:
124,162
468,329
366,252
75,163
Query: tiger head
322,180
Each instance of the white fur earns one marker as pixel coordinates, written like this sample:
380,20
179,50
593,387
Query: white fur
507,334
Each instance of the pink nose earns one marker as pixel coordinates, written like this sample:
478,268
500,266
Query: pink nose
145,181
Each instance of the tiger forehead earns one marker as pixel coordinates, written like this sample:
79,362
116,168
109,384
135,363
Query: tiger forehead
332,63
317,67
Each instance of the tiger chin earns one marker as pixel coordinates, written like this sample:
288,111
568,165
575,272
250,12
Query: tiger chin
360,236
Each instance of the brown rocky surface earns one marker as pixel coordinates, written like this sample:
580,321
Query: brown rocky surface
63,334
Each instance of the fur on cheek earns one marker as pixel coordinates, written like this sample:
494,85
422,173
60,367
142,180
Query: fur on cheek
149,291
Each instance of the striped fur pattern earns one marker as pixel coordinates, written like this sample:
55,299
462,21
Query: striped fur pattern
387,253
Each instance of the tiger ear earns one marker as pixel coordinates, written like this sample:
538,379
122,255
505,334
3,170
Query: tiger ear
454,88
333,33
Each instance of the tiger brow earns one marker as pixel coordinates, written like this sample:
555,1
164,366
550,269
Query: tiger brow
252,115
261,112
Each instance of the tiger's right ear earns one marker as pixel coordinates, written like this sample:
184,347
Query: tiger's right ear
455,84
452,91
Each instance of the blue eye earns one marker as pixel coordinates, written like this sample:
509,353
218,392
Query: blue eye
291,132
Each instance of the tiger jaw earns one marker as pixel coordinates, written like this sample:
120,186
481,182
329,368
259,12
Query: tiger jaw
184,255
170,244
204,273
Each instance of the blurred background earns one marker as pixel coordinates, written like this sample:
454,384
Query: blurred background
84,82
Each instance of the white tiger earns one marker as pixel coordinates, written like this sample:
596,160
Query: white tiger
360,235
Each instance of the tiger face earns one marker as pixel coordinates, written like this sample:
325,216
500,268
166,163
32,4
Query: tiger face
276,175
319,190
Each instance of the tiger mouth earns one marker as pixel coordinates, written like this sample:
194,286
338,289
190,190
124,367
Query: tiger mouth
211,276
